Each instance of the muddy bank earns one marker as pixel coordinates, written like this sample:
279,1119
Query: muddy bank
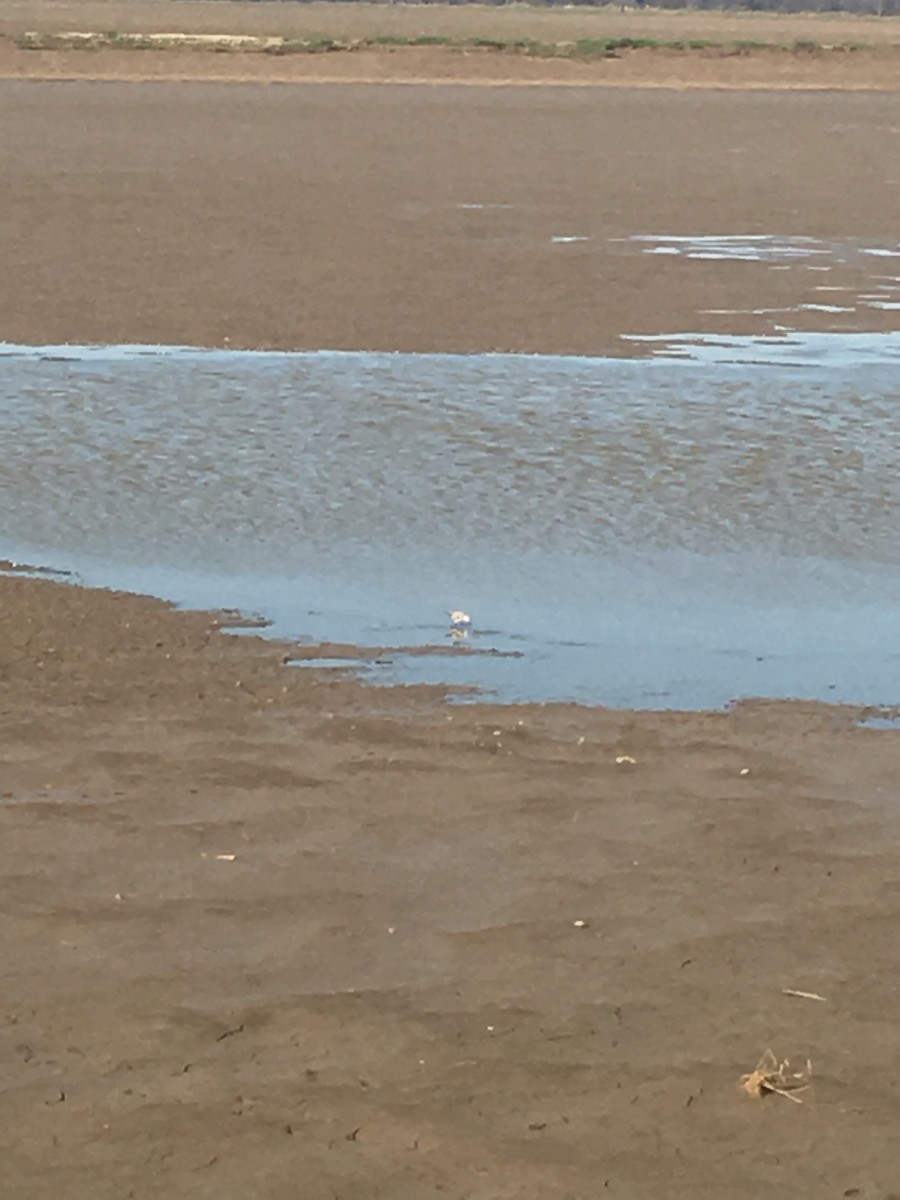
348,217
261,925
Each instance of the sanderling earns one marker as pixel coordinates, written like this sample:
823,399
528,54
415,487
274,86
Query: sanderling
459,619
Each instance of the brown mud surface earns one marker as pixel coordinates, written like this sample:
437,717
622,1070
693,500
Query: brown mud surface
332,216
268,933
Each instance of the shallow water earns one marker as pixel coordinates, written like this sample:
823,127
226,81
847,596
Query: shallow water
712,521
875,286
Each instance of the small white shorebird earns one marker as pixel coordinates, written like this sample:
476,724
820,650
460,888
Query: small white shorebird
459,619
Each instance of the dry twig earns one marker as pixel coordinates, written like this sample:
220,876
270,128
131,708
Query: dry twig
803,995
770,1075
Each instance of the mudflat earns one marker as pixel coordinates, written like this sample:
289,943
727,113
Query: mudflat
268,932
389,217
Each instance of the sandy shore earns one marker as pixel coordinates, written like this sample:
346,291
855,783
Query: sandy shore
268,933
263,926
333,216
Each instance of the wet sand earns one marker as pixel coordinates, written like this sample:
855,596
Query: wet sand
326,215
379,988
262,928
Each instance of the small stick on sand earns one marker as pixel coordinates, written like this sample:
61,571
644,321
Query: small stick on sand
803,995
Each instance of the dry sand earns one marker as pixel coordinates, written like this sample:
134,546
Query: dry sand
275,935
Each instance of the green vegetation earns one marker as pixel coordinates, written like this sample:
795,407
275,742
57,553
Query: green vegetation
595,48
315,45
484,43
587,49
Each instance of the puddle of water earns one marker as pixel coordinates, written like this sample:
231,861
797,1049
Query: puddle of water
849,351
355,665
30,571
760,247
715,521
886,718
783,254
880,723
